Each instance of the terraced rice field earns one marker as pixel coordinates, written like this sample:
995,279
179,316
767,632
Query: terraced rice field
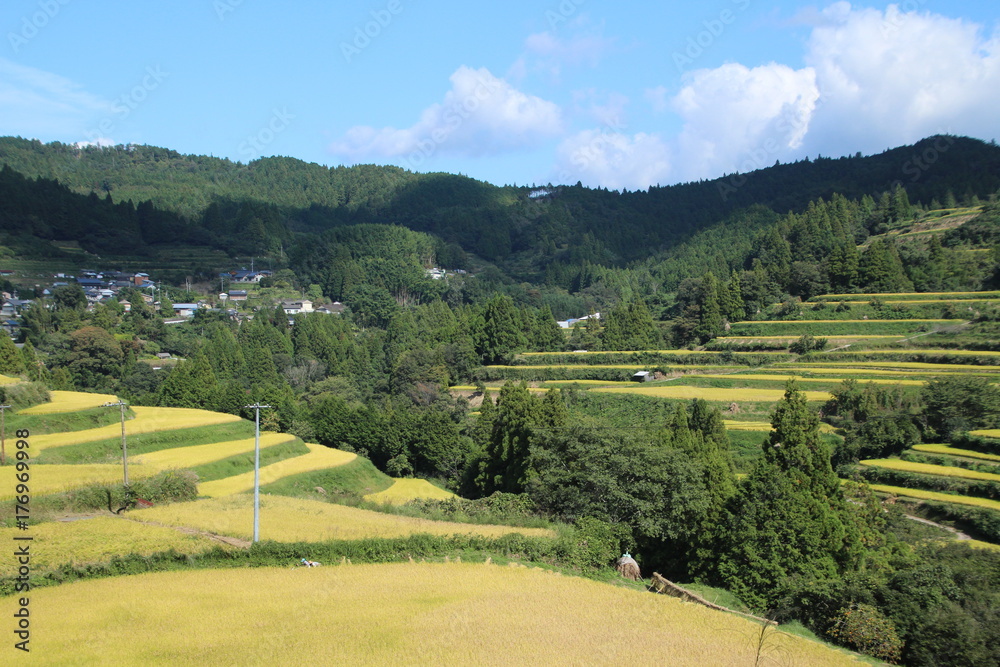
676,391
403,491
69,401
930,469
920,494
147,420
191,457
796,378
285,519
319,457
910,296
97,540
4,379
408,613
736,425
955,451
58,478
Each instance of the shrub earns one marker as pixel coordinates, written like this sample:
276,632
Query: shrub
864,628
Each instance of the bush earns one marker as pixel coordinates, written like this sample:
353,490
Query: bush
23,394
864,628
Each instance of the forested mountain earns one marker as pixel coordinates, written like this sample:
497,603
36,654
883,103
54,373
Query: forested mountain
530,233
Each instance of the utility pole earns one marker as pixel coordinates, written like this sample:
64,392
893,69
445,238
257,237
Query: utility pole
256,407
122,404
3,434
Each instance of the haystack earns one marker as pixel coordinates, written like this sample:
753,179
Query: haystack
628,568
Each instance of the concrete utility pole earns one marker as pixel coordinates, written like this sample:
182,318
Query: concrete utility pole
122,404
256,407
3,434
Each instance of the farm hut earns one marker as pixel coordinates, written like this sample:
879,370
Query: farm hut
642,376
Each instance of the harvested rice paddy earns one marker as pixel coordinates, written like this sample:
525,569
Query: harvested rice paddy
403,491
69,401
406,613
286,519
319,457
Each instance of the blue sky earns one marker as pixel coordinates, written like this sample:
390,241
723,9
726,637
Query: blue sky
620,95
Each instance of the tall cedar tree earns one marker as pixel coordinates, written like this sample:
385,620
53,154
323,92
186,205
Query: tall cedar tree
790,519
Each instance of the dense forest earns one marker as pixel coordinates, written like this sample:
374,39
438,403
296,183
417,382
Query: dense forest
668,268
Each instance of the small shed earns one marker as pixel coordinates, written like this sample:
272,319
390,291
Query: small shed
642,376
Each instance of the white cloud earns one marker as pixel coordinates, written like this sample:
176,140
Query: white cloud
740,119
610,158
480,115
39,104
892,77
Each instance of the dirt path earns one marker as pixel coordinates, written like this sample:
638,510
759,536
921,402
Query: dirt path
224,539
959,535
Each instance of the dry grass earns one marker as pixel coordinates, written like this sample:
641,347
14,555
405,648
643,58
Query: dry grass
954,451
285,519
196,455
742,395
398,614
930,469
403,491
58,478
920,494
147,420
69,401
318,458
97,540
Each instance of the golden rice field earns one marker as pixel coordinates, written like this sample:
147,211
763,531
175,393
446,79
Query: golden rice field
766,426
978,544
930,469
196,455
920,494
934,321
954,451
987,433
938,352
319,457
914,365
586,383
391,614
286,519
147,420
97,540
403,491
69,401
684,392
744,339
891,296
58,478
797,378
939,369
8,380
